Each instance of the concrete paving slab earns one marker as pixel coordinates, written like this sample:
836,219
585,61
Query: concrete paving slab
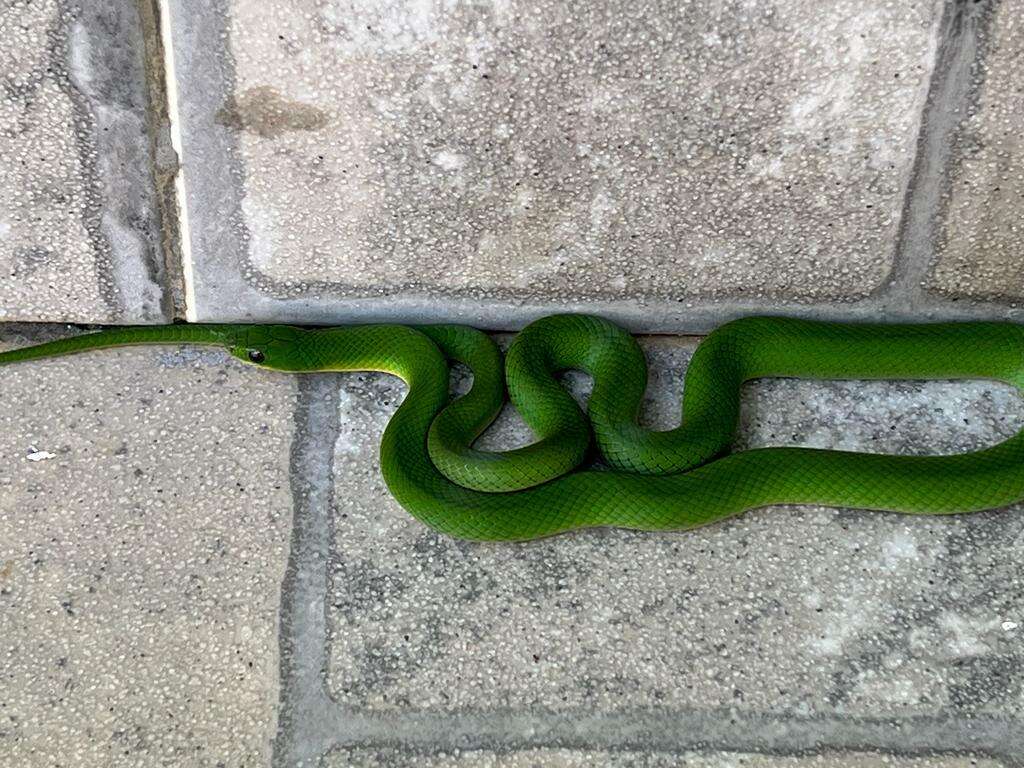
371,160
141,556
801,615
982,237
79,225
566,758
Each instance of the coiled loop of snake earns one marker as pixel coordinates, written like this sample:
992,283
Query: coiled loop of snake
564,434
676,479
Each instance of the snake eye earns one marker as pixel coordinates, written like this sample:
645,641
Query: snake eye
256,356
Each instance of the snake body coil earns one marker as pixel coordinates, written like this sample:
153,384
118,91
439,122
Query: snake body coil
676,479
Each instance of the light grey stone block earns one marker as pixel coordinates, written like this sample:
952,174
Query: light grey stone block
567,758
79,225
798,613
375,158
981,248
141,556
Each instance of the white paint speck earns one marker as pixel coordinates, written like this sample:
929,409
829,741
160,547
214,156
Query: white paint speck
901,547
449,161
964,634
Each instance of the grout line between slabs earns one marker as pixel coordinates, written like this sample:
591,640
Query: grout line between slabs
426,733
947,102
687,731
174,118
307,716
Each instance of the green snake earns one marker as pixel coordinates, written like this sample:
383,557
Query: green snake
651,480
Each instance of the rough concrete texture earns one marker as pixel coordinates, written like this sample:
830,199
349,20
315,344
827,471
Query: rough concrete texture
564,758
140,558
791,613
79,229
982,242
543,151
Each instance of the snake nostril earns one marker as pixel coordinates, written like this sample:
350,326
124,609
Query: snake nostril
256,356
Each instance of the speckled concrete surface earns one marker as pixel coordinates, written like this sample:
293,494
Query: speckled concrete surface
668,164
802,612
982,240
79,228
141,558
564,758
537,150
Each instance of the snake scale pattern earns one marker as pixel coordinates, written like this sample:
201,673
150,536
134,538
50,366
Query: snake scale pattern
668,480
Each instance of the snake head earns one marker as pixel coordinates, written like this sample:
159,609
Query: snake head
280,347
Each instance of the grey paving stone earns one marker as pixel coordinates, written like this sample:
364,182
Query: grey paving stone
532,152
983,233
565,758
141,558
792,612
79,227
